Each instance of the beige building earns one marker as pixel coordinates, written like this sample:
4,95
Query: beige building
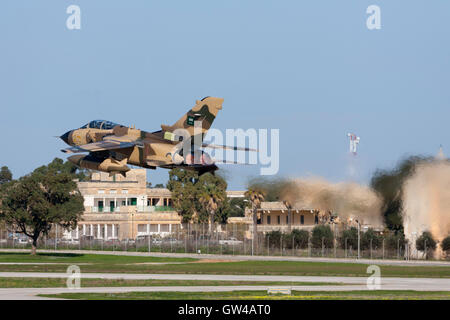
275,216
125,208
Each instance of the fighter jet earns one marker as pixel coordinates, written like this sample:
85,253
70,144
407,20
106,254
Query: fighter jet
112,147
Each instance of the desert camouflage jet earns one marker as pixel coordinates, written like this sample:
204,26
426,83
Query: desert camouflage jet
112,147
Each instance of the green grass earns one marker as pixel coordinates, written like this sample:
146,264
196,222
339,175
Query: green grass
260,295
131,264
73,258
61,283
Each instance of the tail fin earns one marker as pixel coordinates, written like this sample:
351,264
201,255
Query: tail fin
205,110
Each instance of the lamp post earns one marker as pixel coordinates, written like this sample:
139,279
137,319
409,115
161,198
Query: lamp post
426,254
359,239
346,247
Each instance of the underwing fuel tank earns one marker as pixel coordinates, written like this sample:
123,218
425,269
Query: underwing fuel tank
106,165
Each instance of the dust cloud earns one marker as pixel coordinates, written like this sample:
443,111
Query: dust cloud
426,200
347,199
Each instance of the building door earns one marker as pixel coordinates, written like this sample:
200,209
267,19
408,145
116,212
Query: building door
100,206
111,205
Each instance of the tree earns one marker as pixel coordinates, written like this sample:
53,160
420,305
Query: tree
184,193
67,167
198,199
300,238
212,194
370,237
32,204
395,241
255,196
236,207
274,238
426,243
349,238
5,175
445,245
322,232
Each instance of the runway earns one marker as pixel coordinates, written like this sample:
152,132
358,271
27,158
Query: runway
352,283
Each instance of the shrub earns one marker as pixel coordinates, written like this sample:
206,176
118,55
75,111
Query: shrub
445,245
274,238
322,232
297,237
393,241
426,243
426,240
352,238
367,237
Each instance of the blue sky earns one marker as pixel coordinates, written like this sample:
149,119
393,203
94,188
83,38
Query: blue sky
309,68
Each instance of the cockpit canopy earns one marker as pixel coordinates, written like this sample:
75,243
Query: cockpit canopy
100,124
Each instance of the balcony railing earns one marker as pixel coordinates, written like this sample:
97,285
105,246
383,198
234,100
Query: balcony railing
106,209
124,209
154,208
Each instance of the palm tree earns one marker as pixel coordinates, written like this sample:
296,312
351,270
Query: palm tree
211,199
255,196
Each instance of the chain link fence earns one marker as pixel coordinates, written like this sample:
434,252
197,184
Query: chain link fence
227,239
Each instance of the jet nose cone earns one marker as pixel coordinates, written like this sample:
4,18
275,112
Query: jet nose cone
65,137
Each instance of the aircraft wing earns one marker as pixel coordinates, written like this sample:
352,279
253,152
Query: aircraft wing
215,146
109,143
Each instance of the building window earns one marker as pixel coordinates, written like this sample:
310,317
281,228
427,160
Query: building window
287,219
124,191
302,219
268,219
124,203
279,219
112,191
101,191
316,219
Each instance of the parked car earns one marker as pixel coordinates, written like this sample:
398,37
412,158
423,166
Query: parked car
22,241
71,241
128,241
231,241
171,241
157,241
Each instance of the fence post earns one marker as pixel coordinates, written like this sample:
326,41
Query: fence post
370,248
281,243
334,247
56,237
293,251
345,247
322,247
309,246
383,249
